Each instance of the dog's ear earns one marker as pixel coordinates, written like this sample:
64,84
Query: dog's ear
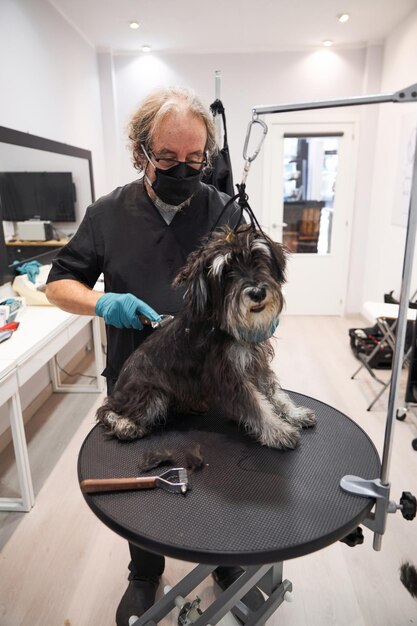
278,255
194,277
280,261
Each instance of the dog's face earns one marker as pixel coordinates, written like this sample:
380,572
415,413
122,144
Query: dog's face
235,281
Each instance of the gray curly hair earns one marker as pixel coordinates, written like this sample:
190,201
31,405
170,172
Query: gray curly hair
154,108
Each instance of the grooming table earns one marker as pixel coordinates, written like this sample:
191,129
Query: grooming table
249,505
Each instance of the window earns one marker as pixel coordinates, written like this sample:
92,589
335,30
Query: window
310,172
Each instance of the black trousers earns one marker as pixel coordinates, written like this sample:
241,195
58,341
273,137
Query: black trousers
143,564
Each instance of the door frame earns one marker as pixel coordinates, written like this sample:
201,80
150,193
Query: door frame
273,185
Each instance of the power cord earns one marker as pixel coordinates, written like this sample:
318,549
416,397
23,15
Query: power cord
62,369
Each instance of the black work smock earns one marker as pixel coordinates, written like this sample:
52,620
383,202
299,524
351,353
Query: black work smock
125,237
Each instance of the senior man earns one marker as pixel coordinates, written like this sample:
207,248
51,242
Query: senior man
139,236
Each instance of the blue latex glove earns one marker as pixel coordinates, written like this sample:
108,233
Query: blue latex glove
122,310
31,268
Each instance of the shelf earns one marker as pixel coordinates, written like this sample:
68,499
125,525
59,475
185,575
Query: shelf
53,243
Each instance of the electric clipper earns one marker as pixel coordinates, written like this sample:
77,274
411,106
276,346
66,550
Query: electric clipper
164,320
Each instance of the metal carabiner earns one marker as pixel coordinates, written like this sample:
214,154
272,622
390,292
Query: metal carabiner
248,132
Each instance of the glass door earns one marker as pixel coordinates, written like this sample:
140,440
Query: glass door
309,192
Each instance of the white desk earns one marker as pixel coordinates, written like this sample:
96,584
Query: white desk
42,333
375,310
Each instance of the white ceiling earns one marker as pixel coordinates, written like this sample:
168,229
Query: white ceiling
221,26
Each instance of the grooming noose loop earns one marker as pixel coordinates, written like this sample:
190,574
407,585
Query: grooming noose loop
242,197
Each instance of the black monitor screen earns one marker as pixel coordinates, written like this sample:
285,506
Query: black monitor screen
37,195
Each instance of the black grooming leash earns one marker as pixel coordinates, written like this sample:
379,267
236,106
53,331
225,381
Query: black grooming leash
242,199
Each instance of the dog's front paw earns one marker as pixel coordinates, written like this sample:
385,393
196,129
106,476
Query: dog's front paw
123,428
304,417
298,416
281,435
126,429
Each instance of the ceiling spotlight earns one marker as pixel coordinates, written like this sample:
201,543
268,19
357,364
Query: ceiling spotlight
343,17
134,25
146,48
327,43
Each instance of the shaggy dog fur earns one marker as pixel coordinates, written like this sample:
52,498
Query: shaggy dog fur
216,348
408,577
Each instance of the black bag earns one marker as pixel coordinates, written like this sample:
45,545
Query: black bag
364,340
220,174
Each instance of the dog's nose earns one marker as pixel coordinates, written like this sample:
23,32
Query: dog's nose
257,294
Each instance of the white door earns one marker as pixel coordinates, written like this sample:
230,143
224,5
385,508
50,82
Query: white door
309,192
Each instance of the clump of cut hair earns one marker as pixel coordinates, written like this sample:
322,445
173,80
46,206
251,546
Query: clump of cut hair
154,108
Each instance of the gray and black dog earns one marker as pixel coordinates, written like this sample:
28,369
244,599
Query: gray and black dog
216,348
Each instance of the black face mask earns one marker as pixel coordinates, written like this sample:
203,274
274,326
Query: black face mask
176,185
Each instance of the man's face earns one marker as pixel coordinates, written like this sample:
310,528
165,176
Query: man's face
179,136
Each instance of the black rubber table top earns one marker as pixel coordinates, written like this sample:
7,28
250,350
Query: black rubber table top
249,504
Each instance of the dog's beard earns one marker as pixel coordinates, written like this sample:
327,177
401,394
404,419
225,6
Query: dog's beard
245,324
257,335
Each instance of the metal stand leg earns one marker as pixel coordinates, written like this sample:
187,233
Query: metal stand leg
365,363
267,577
387,384
379,394
26,502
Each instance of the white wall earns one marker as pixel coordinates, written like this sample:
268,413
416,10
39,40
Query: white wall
266,78
50,87
248,80
49,78
386,240
367,132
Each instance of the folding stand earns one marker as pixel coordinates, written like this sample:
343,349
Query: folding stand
381,313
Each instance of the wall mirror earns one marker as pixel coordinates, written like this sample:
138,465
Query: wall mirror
25,153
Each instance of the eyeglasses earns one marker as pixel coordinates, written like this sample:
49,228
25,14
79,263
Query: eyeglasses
166,163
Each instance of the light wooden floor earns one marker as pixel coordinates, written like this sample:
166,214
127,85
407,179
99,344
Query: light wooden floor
60,566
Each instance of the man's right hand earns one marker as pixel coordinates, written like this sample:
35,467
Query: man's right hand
122,310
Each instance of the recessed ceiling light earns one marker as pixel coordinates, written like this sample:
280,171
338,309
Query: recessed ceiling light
146,48
343,17
134,25
327,43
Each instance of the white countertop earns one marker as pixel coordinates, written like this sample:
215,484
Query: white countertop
6,366
373,310
39,327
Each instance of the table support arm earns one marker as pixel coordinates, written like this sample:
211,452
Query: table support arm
376,520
